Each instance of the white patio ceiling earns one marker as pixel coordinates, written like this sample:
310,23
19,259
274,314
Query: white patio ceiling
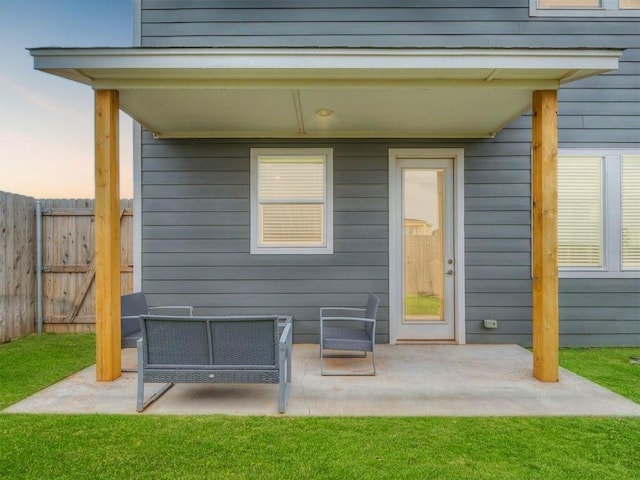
231,92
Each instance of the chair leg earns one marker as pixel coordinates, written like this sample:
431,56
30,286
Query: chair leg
284,384
142,404
346,355
325,373
373,358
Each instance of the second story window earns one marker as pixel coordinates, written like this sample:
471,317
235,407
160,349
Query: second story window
584,8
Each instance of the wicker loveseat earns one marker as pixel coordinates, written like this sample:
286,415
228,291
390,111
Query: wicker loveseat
214,349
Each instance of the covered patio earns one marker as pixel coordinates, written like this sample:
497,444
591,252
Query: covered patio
412,380
279,93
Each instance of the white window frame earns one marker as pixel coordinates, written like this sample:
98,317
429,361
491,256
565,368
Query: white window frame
608,8
611,215
327,248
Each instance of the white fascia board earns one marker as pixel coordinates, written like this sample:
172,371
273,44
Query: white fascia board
253,60
317,83
320,135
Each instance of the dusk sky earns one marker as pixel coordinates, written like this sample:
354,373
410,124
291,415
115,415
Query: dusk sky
46,122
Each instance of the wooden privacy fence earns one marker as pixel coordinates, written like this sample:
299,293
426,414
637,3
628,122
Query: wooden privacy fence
68,298
17,266
68,271
423,265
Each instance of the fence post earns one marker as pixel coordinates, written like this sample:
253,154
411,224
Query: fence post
39,266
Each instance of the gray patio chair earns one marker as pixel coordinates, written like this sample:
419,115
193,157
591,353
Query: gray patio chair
349,329
134,305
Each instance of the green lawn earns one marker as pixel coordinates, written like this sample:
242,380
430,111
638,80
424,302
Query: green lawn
608,367
172,447
101,446
35,362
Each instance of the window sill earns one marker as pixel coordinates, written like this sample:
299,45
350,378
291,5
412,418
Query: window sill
582,12
291,250
598,274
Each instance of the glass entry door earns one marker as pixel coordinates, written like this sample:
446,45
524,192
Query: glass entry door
427,263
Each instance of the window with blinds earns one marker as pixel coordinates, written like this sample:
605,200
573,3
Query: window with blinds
631,211
291,207
580,219
622,4
568,3
585,8
599,213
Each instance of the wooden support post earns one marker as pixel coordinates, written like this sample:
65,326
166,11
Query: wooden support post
545,235
107,218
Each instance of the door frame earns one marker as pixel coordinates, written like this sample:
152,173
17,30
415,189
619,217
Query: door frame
395,235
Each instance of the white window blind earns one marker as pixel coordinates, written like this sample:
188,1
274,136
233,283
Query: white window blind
631,4
631,211
568,3
291,195
580,221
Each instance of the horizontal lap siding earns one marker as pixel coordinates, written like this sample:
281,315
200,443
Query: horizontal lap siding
200,236
600,312
196,238
363,23
196,244
498,240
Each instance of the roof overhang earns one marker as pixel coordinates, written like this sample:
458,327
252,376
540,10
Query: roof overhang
278,92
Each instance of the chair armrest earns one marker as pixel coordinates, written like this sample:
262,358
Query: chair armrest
348,319
287,334
187,309
340,311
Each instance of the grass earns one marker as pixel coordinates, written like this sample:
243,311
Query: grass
100,446
608,367
421,305
185,447
35,362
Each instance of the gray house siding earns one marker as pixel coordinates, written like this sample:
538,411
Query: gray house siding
196,192
196,233
196,216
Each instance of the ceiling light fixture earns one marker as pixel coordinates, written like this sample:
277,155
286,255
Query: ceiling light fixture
324,112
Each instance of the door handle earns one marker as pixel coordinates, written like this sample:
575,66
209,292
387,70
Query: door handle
449,272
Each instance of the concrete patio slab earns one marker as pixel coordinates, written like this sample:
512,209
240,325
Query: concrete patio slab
412,380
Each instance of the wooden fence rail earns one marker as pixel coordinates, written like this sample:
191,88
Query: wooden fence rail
68,246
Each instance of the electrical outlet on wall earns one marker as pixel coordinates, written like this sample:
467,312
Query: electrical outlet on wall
490,323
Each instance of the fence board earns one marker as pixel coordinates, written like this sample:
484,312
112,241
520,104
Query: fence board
68,253
17,266
423,265
67,256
